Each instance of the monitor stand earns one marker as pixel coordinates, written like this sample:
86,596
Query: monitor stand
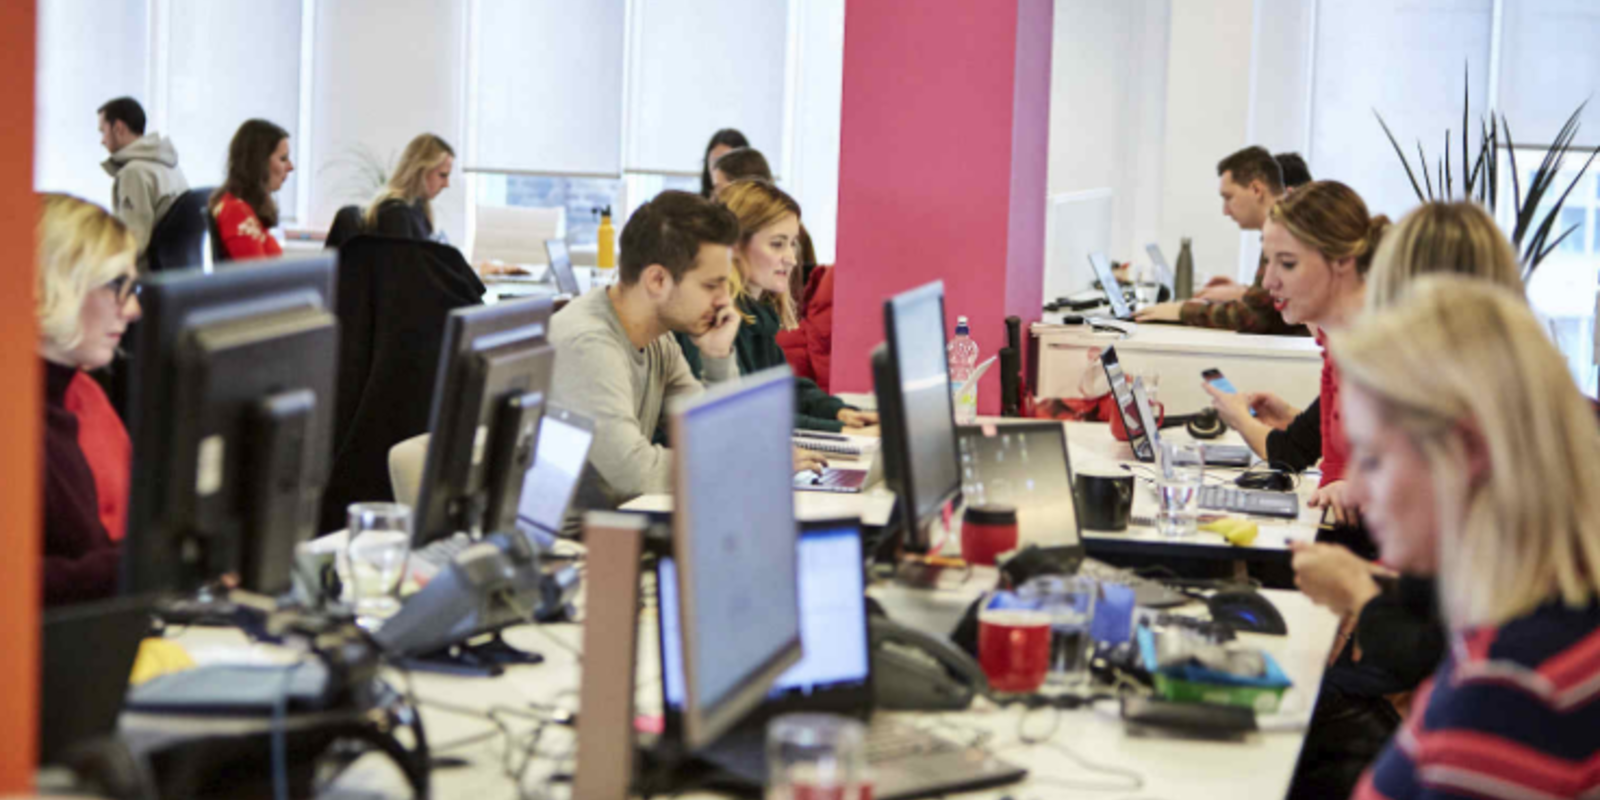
487,659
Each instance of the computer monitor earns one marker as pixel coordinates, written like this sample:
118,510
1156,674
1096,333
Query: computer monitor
1024,465
733,543
912,379
1109,285
834,674
232,423
561,267
488,397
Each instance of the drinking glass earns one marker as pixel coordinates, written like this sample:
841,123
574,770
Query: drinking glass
817,757
1180,470
379,545
1069,600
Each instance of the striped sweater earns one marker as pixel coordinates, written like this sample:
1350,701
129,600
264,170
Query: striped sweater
1511,713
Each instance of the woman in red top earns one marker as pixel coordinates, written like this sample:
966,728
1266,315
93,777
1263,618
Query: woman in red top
258,164
1319,243
87,294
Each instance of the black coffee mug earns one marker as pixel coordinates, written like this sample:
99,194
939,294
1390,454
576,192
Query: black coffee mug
1104,501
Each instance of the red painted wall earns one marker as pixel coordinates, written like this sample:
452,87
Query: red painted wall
942,168
20,413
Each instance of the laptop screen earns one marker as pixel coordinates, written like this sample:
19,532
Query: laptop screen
833,618
1147,417
1026,467
1108,283
1163,270
563,448
1127,406
561,267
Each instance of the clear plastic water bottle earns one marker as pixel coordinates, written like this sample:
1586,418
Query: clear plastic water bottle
963,360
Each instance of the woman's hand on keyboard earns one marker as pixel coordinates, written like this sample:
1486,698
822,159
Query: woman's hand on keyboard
809,460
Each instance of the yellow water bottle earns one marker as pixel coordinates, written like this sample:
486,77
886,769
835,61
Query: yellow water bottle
606,240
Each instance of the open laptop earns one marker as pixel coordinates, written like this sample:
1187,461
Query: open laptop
1108,285
842,479
1165,277
561,267
834,676
1222,498
1143,433
564,440
87,657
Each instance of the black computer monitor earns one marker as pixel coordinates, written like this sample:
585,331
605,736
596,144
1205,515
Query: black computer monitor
488,395
232,423
915,414
733,541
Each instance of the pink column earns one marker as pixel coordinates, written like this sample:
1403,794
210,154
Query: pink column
942,169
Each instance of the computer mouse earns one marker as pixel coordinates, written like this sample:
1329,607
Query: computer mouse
1249,612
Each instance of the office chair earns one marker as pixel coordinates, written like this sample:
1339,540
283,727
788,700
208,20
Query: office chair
405,468
346,226
176,240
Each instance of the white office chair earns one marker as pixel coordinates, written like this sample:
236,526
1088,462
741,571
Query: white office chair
516,235
405,468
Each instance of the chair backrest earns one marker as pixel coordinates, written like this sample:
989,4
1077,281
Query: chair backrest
219,252
346,225
515,234
177,240
405,468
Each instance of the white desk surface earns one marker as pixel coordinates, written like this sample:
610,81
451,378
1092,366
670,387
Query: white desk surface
1168,768
1182,338
1091,446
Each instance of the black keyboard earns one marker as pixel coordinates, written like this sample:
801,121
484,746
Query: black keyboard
1214,497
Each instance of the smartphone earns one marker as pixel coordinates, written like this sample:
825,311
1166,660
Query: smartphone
1215,377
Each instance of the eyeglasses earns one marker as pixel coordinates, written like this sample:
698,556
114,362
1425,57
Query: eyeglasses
125,287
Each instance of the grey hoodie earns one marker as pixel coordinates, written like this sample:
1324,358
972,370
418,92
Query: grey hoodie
147,182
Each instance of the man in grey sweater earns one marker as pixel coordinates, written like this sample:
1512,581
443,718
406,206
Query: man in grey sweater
616,359
144,168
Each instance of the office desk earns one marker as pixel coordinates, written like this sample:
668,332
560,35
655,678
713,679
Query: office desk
1290,366
1259,767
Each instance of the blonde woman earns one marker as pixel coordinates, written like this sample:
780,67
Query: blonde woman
404,207
1391,638
767,251
1476,460
86,293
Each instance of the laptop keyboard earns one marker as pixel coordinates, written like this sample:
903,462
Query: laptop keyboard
830,480
888,741
1249,501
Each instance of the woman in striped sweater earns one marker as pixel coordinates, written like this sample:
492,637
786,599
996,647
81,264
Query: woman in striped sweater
1475,459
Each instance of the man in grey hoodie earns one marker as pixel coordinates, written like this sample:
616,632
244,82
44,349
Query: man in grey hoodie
145,169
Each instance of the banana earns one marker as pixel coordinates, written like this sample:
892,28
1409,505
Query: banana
1238,532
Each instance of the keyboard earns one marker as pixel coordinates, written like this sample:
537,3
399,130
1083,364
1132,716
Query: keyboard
436,555
887,742
830,480
1214,497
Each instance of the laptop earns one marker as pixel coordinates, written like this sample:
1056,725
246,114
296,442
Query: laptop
561,267
834,676
1165,277
85,663
1216,497
1109,286
840,479
1027,466
563,449
1143,433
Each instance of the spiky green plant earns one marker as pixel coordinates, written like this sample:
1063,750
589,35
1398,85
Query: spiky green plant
1481,178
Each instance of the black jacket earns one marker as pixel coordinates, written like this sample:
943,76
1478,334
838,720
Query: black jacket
1299,446
757,349
403,219
80,560
394,295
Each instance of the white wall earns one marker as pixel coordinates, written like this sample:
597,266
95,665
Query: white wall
379,91
89,51
816,81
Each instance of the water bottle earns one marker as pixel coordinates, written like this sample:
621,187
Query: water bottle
963,359
1183,282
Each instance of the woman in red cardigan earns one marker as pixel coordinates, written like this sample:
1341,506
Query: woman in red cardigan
258,164
87,294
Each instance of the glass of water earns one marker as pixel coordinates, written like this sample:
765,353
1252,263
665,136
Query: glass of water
1069,600
1181,469
379,545
817,756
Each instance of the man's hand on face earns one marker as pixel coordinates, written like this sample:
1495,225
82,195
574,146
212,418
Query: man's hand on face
718,341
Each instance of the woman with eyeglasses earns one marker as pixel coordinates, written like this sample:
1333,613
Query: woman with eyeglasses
86,291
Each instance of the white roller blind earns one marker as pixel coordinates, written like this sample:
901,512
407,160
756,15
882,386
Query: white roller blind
229,61
549,86
90,51
1404,59
701,65
1549,63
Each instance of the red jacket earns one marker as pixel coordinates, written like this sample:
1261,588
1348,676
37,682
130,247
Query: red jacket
241,232
105,445
1335,447
809,348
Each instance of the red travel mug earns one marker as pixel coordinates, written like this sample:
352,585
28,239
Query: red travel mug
986,532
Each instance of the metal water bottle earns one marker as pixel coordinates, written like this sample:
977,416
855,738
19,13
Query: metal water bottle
1183,282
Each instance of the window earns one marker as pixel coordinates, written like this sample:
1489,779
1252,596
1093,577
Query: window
578,196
